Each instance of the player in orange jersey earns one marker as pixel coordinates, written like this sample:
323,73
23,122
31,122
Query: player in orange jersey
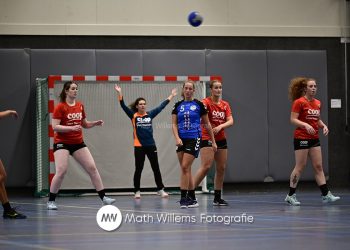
305,115
68,120
144,144
220,117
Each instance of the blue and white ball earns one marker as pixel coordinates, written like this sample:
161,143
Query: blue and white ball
195,19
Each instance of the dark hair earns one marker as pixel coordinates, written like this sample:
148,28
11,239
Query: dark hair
135,103
66,87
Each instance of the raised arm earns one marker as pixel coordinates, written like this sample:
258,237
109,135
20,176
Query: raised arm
154,112
173,94
127,111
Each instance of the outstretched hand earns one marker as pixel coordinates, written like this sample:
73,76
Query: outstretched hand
7,113
118,89
98,123
174,92
13,113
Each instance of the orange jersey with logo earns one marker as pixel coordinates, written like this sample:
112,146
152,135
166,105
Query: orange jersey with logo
217,114
309,112
69,116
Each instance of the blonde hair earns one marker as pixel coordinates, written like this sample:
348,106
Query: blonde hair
188,81
211,84
297,87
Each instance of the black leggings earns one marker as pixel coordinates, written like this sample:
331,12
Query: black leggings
140,153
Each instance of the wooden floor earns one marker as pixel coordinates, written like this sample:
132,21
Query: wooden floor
275,225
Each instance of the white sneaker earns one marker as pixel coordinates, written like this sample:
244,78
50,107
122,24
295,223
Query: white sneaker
51,205
329,198
107,201
137,195
163,194
292,200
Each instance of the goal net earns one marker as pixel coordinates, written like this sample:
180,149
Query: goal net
112,144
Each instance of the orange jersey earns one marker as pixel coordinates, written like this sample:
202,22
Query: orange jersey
217,114
69,116
309,112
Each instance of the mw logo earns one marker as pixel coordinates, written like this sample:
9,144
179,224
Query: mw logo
109,217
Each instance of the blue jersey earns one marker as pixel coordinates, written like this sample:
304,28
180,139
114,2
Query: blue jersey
142,124
189,118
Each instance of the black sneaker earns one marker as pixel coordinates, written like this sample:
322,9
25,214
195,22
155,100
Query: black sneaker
192,202
13,214
220,202
183,202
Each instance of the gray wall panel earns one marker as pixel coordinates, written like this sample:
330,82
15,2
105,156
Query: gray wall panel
119,62
282,67
244,87
46,62
174,62
15,146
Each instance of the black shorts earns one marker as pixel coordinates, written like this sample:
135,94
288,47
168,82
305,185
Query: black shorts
306,143
221,144
70,147
190,146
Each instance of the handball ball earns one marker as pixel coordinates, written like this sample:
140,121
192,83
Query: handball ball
195,19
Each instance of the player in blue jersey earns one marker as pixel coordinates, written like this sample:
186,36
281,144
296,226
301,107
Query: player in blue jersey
144,143
187,117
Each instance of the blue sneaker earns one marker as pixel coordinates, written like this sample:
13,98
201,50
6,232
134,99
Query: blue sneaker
192,203
183,202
